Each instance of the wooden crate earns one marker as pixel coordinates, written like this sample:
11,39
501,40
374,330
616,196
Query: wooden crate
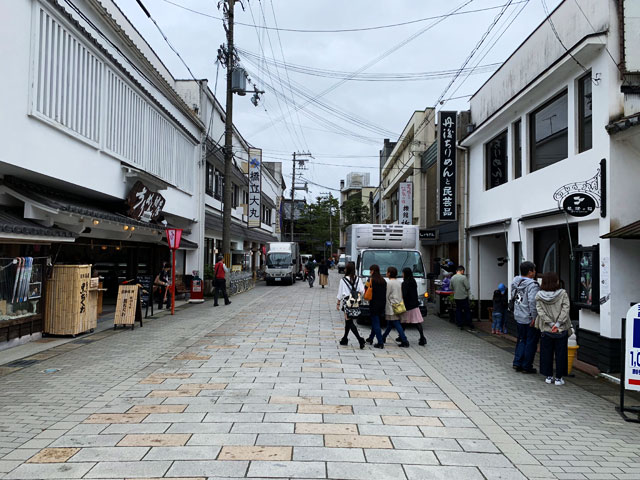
68,309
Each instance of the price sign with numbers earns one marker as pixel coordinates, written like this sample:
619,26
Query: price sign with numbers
632,360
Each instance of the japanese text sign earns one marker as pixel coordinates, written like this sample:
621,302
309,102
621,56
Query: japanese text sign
632,348
255,188
173,237
144,204
447,166
405,203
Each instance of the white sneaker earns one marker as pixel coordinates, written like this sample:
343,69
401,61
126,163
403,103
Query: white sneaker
559,381
550,380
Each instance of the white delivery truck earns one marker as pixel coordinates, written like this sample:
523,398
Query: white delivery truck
283,263
385,246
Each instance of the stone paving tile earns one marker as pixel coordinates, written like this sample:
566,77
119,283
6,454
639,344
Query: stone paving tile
357,441
154,440
50,470
290,439
129,469
109,454
291,469
327,428
256,453
115,418
53,455
334,409
415,472
367,471
327,454
157,409
208,468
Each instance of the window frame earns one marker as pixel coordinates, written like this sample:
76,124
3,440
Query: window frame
532,126
517,148
487,169
209,179
586,78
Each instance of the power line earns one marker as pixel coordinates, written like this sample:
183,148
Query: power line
343,30
555,32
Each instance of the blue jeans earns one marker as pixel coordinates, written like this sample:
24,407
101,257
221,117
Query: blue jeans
375,329
498,322
462,306
394,324
526,346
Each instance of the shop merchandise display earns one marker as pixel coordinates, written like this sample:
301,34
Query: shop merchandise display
20,287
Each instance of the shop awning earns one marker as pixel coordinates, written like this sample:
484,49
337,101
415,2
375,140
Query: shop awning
14,228
214,222
628,232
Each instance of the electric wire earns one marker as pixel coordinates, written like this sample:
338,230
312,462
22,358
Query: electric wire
555,32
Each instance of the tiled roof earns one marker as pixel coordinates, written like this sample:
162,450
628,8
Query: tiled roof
624,123
11,221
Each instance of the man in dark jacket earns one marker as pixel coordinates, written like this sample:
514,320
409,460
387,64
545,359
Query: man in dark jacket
523,291
310,268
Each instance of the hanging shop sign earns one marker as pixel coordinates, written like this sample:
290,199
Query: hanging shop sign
278,214
255,188
580,199
496,151
144,204
405,194
632,348
447,166
428,234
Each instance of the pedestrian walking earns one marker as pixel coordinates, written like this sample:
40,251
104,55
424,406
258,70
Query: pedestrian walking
162,282
310,268
523,305
552,304
410,298
461,290
220,282
350,293
378,286
395,306
323,273
500,303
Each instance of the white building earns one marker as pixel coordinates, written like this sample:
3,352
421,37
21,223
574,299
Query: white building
540,144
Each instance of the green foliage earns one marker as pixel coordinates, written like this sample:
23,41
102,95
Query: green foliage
313,226
208,272
354,210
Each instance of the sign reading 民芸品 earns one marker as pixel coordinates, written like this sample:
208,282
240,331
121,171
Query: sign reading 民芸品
254,209
405,203
447,166
632,349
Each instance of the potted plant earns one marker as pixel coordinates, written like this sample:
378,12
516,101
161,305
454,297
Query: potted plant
451,308
208,276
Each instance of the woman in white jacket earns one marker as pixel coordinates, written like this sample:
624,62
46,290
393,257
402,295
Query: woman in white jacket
552,304
394,297
350,293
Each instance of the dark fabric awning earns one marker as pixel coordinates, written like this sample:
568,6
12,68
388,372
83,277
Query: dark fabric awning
68,203
628,232
213,221
13,226
184,244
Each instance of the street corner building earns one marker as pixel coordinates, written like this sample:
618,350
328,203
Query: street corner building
102,150
553,164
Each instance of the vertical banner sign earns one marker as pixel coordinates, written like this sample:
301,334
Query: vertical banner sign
405,191
632,347
173,239
447,166
254,210
278,214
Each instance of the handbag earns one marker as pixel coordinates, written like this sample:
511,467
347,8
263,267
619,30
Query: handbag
398,308
368,292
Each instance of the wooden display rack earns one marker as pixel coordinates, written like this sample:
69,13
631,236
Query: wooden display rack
128,307
69,303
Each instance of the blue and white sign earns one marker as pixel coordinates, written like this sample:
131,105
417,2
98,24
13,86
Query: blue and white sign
632,347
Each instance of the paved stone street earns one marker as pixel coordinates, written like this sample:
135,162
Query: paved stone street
261,389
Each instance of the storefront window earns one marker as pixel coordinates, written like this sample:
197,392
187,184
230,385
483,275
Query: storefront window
585,139
549,134
209,179
496,161
21,283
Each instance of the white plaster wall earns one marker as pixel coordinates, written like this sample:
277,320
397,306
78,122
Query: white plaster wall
625,282
490,274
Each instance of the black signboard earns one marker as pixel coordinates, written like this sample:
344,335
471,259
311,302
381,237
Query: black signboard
428,234
586,291
144,204
146,296
579,205
496,155
447,166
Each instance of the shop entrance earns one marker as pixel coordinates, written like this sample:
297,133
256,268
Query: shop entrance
552,253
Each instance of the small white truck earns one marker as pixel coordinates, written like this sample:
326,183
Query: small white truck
387,245
283,263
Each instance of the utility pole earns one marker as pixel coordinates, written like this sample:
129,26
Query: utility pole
228,140
293,185
330,223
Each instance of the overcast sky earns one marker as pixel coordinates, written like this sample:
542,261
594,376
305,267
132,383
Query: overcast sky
339,146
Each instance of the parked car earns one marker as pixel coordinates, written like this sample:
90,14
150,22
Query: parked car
342,262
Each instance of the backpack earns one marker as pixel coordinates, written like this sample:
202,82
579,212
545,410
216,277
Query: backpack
354,298
516,298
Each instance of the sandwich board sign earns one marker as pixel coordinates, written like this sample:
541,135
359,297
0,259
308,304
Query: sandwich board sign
632,348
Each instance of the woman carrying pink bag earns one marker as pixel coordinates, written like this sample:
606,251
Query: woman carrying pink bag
410,298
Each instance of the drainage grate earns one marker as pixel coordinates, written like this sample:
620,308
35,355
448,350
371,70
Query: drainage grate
83,340
21,363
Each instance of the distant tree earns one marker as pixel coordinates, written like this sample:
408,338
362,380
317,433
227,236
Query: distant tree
354,210
314,226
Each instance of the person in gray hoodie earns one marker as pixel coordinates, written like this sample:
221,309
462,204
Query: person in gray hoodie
552,303
523,295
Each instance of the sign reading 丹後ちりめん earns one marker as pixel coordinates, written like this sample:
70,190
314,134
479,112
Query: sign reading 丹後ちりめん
254,208
405,203
144,204
447,166
632,349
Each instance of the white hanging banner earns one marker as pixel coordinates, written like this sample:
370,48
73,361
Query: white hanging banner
254,210
405,203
